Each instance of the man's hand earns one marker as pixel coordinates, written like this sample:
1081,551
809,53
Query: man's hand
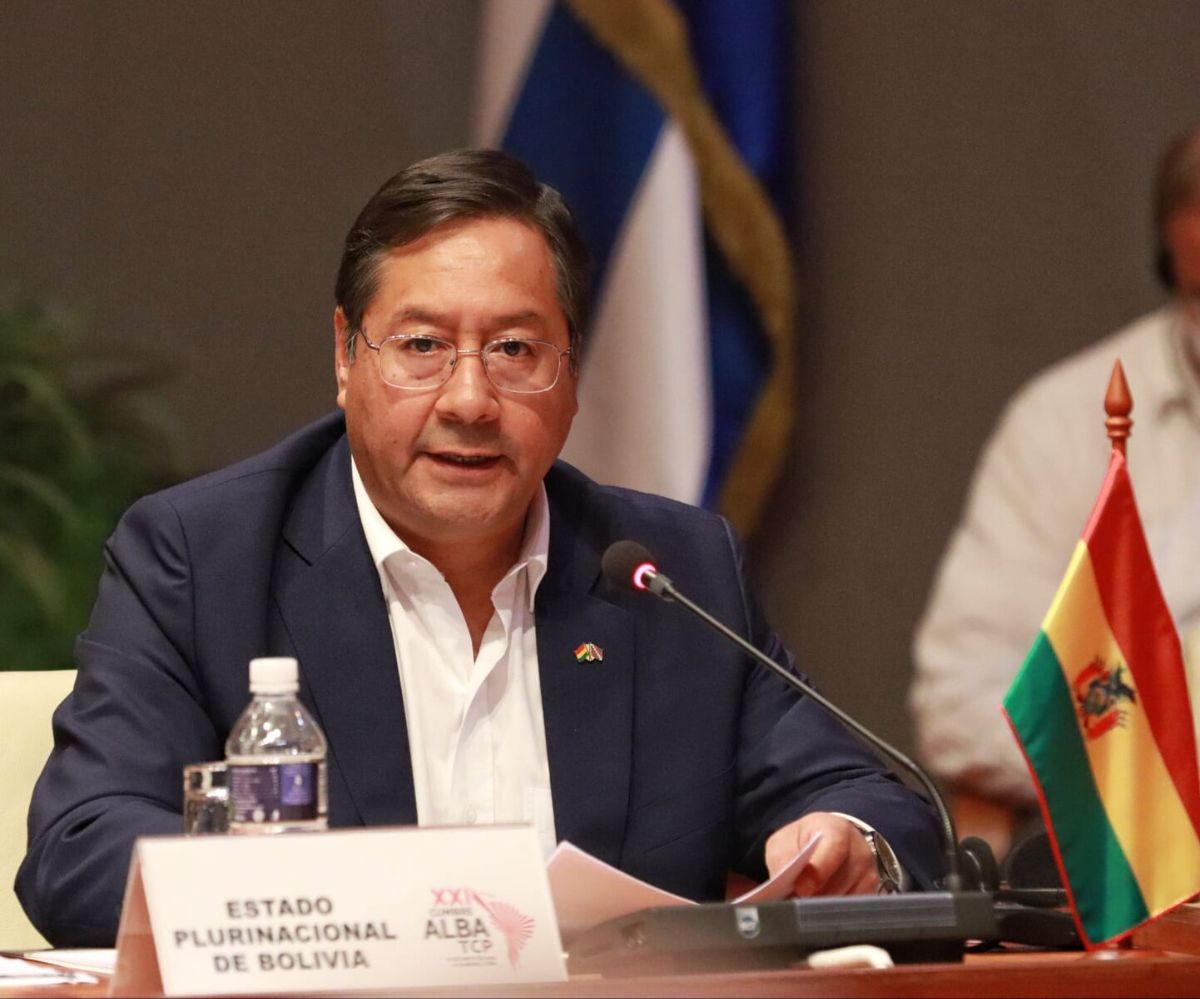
841,864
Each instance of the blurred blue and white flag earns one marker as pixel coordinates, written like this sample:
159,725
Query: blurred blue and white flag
663,123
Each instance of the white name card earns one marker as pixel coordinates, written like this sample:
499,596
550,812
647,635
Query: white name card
338,911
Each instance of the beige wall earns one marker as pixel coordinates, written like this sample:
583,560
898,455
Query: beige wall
186,173
973,203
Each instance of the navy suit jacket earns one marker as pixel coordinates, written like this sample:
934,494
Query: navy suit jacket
673,758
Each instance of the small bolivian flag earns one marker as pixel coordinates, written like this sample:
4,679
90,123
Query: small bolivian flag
589,652
1102,713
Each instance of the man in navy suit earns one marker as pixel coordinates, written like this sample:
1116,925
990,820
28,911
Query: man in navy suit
436,572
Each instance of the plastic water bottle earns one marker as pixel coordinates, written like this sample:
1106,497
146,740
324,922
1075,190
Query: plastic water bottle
276,757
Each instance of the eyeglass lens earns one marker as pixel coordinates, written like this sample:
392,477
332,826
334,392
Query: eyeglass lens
426,362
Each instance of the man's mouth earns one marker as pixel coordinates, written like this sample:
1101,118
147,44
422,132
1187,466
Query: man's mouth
465,460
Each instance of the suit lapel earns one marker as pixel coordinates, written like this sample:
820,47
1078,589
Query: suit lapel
587,706
329,596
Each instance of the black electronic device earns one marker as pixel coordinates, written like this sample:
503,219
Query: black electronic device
913,926
916,926
630,565
1019,922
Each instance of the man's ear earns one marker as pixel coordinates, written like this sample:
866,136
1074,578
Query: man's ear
341,355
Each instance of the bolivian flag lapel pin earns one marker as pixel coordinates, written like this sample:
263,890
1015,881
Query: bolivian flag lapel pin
589,652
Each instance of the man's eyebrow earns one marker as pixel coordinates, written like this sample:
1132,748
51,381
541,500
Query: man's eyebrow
417,314
527,317
443,321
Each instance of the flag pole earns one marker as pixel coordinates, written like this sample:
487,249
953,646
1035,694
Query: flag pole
1118,404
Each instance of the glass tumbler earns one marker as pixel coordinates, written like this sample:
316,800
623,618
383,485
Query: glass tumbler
205,799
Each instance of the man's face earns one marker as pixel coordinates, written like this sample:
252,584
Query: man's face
1182,234
458,463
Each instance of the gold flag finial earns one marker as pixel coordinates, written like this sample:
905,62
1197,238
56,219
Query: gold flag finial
1118,404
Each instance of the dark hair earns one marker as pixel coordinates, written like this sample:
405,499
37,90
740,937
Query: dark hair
460,186
1177,186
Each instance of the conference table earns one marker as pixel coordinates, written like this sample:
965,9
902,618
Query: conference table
1162,960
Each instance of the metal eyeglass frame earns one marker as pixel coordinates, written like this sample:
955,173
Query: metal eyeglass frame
456,353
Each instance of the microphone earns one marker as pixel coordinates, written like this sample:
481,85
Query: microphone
912,926
630,565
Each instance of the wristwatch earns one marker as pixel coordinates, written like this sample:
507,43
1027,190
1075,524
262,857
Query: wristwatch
886,864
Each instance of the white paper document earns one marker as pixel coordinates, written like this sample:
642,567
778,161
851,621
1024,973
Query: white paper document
18,973
588,891
98,961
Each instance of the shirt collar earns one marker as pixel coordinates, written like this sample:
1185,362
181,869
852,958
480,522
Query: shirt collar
383,542
1183,362
1175,381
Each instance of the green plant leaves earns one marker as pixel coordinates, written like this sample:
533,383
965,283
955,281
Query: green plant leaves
83,433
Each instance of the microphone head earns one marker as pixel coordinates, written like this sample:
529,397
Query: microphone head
628,564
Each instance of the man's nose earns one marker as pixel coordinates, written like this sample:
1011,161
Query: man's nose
469,395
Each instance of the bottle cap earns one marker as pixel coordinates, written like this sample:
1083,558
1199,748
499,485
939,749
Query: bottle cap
275,675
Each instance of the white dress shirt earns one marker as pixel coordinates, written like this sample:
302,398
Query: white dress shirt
1033,489
476,733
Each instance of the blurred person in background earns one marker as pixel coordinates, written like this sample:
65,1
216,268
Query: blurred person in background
1032,491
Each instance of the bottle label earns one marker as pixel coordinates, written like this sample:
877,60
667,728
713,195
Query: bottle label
273,792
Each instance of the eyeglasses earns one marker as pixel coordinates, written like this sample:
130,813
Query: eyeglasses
417,361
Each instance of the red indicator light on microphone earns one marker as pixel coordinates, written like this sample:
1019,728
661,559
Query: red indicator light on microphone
643,574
